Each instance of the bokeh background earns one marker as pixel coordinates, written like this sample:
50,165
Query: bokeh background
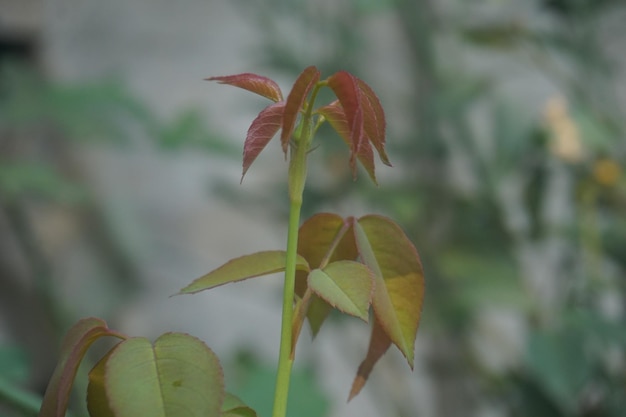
119,184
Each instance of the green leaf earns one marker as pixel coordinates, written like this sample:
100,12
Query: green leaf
323,238
178,376
399,280
345,285
234,407
295,101
75,344
97,401
244,267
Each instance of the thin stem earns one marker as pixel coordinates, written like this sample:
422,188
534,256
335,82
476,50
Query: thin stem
285,361
297,178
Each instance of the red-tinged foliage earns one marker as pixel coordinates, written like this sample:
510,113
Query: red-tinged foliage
379,343
335,115
346,88
261,131
76,343
374,119
295,102
258,84
357,116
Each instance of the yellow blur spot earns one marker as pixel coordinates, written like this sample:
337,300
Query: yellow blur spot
606,172
564,135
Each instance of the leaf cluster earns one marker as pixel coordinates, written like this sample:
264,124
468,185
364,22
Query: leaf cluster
347,264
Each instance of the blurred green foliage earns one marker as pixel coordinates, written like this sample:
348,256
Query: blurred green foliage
515,208
43,126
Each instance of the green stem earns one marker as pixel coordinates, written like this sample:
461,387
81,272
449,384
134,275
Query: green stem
285,361
297,178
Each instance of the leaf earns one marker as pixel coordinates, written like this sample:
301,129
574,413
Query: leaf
178,376
261,131
325,237
295,101
335,115
399,280
234,407
244,267
97,401
373,119
379,343
75,344
345,285
252,82
346,88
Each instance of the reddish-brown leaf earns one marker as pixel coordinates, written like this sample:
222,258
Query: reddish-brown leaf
346,88
373,119
335,115
75,344
399,279
379,343
295,100
261,131
322,239
252,82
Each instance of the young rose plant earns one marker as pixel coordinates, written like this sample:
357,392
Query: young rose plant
330,262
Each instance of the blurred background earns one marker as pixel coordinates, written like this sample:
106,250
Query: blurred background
119,184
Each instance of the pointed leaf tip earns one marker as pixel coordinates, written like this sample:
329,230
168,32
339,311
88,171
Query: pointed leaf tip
258,84
245,267
261,131
374,119
346,88
345,285
379,344
399,279
295,101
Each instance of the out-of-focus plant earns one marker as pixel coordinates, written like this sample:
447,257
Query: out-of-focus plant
44,125
516,207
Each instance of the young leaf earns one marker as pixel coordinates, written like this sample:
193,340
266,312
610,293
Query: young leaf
399,280
379,343
75,344
234,407
335,115
252,82
323,238
346,88
295,101
373,119
177,376
244,267
345,285
97,402
261,131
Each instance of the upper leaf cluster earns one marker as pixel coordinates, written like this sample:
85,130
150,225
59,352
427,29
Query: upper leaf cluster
356,115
